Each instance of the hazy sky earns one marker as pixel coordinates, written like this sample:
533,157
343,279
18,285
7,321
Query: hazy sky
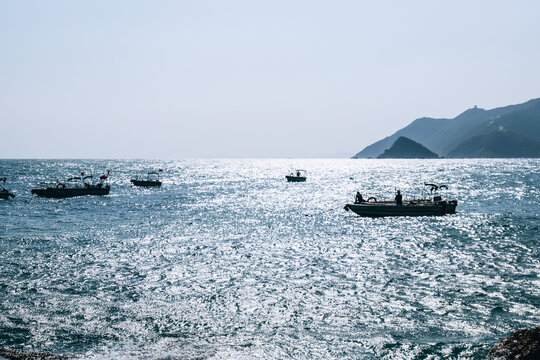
190,79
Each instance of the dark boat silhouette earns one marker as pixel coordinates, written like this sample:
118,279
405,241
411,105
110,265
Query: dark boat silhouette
421,207
297,176
5,193
75,186
151,180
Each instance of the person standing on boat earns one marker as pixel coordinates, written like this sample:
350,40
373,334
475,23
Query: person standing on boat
399,199
359,199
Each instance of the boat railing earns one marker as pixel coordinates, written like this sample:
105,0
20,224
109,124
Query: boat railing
298,173
150,175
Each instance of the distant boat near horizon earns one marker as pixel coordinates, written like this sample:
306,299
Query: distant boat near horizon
74,186
298,175
151,180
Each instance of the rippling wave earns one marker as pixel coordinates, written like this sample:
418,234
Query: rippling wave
227,260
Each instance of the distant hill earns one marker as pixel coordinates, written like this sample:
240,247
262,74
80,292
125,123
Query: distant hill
405,148
447,137
497,144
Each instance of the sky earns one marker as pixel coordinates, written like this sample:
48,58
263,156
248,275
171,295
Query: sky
251,79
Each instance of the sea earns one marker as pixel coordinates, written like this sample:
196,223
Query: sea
227,260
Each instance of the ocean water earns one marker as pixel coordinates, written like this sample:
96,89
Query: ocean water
229,261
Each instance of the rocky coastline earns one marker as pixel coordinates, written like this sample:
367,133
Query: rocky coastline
523,345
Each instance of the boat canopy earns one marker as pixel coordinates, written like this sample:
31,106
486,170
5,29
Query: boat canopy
435,187
299,173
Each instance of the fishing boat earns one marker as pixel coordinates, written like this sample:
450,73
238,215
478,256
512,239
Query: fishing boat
151,180
75,186
433,206
5,193
298,175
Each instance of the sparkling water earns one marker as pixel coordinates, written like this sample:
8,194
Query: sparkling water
229,261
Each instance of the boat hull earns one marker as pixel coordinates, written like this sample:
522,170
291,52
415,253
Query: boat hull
146,183
6,195
59,193
407,209
295,178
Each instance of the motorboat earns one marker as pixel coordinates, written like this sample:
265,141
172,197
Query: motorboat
433,206
298,175
75,186
151,179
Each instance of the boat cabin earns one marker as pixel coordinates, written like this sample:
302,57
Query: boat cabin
297,175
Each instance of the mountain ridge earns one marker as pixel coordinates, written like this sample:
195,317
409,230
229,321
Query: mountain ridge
443,136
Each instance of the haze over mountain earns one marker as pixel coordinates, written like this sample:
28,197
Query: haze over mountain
405,148
510,131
